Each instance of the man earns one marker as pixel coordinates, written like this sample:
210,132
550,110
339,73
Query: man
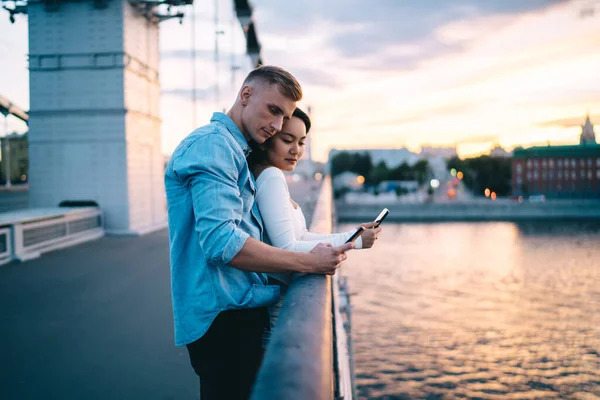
218,262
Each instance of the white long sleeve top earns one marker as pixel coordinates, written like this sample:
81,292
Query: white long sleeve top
285,224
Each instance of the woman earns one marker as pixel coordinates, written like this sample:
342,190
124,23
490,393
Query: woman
284,222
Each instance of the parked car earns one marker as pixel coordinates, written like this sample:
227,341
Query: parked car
537,198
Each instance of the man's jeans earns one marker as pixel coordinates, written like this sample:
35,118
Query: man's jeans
228,356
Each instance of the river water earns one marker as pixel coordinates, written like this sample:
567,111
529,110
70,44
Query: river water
477,311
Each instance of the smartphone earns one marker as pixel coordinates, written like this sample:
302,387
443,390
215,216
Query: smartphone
384,213
356,234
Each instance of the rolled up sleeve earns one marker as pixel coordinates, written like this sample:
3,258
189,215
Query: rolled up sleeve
210,168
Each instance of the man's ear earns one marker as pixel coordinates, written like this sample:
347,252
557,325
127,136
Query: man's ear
245,94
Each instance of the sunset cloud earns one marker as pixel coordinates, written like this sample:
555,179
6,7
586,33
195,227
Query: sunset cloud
387,73
476,72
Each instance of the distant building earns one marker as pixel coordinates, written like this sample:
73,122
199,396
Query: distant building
499,152
391,157
442,152
19,158
588,136
438,167
559,171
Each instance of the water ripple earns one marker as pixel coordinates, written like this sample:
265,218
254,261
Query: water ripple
477,311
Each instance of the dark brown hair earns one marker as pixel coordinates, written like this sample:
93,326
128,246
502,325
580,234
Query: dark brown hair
287,84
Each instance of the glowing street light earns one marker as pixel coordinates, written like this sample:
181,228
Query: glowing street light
493,195
453,172
360,179
434,183
459,175
487,192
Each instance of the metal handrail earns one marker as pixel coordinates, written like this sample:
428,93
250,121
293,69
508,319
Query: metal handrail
299,359
299,363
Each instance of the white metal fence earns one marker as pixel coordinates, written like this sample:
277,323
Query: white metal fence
26,234
5,246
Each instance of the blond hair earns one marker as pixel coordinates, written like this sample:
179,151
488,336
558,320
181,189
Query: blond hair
286,83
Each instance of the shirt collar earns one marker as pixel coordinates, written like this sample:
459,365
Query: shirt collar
234,130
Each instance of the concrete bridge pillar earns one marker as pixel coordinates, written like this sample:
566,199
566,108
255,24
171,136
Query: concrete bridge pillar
94,119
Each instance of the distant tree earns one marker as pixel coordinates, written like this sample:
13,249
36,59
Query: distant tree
400,191
402,172
485,172
361,164
456,163
341,162
340,192
379,173
421,171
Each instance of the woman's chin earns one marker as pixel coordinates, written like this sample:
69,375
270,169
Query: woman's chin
287,168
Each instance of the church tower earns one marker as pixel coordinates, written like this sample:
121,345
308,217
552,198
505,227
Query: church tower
587,132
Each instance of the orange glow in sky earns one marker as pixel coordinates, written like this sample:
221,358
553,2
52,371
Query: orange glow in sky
521,78
515,81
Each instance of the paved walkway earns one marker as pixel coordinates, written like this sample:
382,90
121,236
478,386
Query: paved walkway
94,321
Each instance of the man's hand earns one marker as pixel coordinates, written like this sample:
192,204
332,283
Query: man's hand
327,259
369,235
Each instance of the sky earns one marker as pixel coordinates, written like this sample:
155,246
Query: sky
385,73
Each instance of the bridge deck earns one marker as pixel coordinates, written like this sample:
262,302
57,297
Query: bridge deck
94,321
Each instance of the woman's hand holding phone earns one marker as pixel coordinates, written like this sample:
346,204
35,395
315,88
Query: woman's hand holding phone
369,230
370,234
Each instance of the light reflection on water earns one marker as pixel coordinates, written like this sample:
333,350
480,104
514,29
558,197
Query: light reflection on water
478,311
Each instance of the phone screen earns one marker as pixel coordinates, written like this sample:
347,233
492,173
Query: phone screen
384,213
356,234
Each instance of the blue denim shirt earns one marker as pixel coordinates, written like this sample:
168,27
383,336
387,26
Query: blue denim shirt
211,208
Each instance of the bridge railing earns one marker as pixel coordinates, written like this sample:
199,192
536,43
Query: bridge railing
25,234
303,359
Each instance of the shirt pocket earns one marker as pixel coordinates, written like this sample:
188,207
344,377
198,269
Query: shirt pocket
247,193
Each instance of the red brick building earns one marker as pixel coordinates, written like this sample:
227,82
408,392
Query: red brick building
559,171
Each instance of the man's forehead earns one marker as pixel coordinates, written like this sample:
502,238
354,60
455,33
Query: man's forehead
274,96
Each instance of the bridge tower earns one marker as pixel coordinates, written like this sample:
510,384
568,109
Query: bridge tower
94,128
